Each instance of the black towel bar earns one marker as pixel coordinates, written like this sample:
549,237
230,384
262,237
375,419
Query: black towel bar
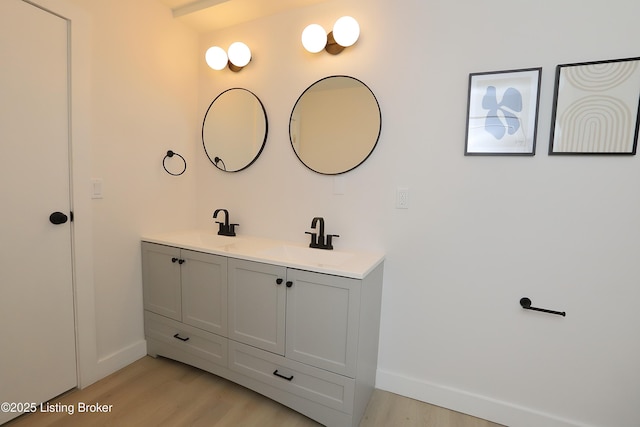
526,304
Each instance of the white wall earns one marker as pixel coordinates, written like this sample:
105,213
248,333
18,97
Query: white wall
480,233
142,101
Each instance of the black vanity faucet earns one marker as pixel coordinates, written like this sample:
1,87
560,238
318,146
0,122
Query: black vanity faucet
225,229
318,240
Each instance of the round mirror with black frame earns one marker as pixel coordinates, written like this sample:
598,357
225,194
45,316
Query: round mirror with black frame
234,130
335,125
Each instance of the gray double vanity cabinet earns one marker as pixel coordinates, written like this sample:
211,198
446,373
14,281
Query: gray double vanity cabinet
296,324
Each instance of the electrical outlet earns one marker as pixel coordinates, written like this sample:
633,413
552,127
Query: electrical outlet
402,198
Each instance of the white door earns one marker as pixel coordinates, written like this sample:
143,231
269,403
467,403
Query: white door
37,348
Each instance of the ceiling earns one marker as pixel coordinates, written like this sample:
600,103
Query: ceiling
210,15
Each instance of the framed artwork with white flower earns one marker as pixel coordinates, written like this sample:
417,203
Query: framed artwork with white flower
502,114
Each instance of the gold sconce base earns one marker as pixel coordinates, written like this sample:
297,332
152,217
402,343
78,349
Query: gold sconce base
332,47
234,68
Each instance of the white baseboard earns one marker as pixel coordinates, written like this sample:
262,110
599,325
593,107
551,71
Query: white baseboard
115,361
494,410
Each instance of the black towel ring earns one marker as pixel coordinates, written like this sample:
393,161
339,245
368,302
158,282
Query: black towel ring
171,154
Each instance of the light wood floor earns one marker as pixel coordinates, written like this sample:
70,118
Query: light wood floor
162,392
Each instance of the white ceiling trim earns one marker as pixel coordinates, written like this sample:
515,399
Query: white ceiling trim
194,6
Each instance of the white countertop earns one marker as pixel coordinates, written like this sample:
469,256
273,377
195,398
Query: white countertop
354,264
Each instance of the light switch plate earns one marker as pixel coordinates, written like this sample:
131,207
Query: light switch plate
402,198
96,188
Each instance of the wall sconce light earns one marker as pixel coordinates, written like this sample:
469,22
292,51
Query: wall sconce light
345,33
239,55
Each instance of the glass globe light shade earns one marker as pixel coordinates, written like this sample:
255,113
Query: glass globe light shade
216,58
346,31
314,38
239,54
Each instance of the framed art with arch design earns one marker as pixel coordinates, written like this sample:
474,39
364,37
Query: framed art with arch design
596,108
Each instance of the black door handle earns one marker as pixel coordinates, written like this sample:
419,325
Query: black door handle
58,218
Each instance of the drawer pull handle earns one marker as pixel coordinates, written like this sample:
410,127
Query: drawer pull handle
180,338
278,374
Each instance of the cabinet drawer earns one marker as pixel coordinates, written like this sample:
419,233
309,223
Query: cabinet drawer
317,385
197,342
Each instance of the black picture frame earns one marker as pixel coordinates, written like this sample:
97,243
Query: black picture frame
502,112
596,108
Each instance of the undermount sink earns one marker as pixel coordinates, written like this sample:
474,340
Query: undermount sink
304,255
212,239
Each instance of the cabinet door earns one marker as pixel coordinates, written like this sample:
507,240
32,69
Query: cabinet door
204,291
257,304
323,320
161,280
